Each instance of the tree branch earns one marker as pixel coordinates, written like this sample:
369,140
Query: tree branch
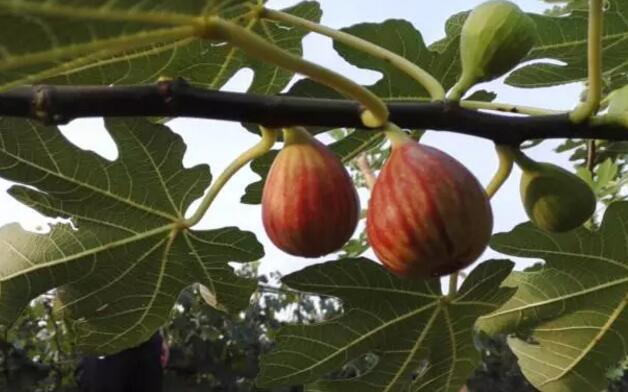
61,104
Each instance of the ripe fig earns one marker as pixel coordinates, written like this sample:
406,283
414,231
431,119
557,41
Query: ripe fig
428,215
554,199
309,205
495,37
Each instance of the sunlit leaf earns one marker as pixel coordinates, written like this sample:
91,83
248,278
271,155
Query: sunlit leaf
121,267
570,316
564,39
100,42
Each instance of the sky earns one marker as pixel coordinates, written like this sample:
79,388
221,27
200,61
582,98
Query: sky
218,143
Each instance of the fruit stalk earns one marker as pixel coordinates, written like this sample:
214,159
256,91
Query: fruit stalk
506,162
269,136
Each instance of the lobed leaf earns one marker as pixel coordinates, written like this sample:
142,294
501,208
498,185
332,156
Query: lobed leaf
71,42
121,264
422,340
570,317
564,39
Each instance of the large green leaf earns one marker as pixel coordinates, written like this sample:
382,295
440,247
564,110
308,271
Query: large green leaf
122,263
346,148
104,42
423,341
571,315
565,39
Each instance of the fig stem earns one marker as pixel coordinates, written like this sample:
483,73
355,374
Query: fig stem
506,162
591,105
430,83
269,136
296,135
524,162
396,136
215,28
459,89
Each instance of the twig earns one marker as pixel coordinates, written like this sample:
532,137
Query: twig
61,104
363,165
591,155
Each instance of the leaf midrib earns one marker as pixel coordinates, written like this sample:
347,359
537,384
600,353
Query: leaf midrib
360,339
158,284
118,278
91,251
90,187
415,348
623,303
560,298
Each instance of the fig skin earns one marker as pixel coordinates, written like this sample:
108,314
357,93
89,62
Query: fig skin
554,199
428,215
310,207
495,37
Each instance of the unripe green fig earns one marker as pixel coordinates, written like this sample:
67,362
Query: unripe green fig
428,215
495,37
554,199
310,207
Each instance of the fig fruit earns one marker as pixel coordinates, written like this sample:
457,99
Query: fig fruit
495,37
309,205
554,199
428,215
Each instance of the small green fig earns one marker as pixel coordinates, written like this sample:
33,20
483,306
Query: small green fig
310,207
554,199
495,37
428,215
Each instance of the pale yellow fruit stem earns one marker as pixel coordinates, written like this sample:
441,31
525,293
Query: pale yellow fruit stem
433,86
269,136
506,162
395,135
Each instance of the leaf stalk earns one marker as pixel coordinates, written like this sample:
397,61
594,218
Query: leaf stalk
375,113
594,92
433,86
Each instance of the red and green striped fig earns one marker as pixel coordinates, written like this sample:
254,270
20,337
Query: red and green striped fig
310,207
428,215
